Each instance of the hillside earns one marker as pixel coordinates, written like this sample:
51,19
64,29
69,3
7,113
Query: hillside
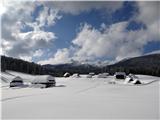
148,64
9,63
147,61
72,68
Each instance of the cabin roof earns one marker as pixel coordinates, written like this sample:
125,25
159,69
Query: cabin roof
42,78
120,73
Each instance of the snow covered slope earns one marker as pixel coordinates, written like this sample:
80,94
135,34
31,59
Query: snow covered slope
83,98
26,77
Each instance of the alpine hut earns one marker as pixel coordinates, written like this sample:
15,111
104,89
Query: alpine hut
44,81
16,82
120,75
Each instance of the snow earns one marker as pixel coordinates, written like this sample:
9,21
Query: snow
6,77
25,77
76,75
43,78
103,75
83,98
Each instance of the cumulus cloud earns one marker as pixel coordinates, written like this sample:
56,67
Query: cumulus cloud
90,43
26,58
115,42
48,16
27,43
148,12
22,44
3,9
77,7
111,41
38,53
61,56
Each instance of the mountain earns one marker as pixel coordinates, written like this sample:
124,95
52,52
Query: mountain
147,61
72,68
147,64
9,63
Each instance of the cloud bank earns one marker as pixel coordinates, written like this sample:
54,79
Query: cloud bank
116,41
24,34
23,44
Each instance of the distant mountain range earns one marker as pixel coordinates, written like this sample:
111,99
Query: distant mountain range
147,64
146,60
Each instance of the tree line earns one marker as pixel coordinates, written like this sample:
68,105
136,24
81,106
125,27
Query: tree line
146,65
9,63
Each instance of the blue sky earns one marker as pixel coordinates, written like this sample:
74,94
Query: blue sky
58,32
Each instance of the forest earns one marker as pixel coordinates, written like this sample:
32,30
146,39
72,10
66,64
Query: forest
146,65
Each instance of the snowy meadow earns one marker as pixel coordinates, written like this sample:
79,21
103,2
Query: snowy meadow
82,98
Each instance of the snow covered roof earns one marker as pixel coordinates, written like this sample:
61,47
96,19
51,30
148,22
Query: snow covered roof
91,73
76,75
42,78
120,73
26,77
89,76
128,79
103,75
17,78
136,81
66,74
133,76
6,77
132,79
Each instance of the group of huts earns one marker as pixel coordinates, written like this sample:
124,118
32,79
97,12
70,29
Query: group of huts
44,81
130,79
90,75
119,76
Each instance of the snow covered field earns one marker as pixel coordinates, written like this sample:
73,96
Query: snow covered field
82,98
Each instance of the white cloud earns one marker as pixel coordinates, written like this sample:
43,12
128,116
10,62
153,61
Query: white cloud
90,43
149,14
148,11
77,7
20,44
24,44
115,41
38,53
26,58
29,42
6,45
112,41
2,8
61,56
48,16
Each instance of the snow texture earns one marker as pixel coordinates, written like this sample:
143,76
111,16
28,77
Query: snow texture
82,98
